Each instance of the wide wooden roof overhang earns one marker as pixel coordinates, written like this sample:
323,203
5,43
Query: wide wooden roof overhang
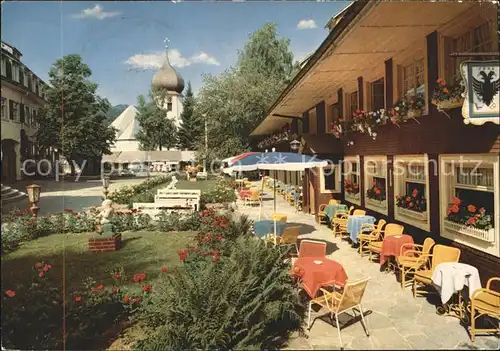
368,34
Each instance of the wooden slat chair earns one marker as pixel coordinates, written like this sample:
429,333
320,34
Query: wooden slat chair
339,222
440,254
322,217
289,237
368,233
254,198
374,247
312,248
413,257
485,302
339,302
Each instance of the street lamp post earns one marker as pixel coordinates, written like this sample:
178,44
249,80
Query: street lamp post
206,145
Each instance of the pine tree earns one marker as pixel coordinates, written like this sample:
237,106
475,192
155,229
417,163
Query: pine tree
191,129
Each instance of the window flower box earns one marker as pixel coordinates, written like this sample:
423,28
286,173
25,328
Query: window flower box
414,113
481,234
352,195
448,104
381,204
421,216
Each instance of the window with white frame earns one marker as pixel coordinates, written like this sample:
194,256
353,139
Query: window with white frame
330,178
27,115
412,79
4,108
411,190
26,78
15,72
376,183
352,104
377,89
3,67
352,180
469,198
14,111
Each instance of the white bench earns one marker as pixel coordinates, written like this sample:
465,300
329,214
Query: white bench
178,198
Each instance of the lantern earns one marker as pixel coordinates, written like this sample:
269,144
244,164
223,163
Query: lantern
294,145
34,191
105,185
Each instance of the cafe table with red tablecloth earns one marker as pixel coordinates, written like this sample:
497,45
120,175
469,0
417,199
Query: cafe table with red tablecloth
391,246
245,193
316,272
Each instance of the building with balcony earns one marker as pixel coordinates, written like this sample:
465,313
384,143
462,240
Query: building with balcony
21,98
381,59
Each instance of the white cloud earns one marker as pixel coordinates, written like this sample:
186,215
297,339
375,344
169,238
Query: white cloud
155,60
306,24
96,12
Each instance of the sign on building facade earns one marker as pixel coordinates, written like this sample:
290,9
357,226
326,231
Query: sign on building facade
482,92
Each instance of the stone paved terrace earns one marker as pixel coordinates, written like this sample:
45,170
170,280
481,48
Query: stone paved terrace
395,319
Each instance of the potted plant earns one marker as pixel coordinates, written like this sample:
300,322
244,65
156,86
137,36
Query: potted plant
467,219
414,205
448,97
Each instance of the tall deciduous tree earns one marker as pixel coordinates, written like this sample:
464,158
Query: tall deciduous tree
73,120
237,100
191,129
156,130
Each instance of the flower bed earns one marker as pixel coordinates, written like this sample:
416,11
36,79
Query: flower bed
224,263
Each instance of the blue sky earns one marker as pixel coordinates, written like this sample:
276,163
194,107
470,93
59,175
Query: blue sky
122,42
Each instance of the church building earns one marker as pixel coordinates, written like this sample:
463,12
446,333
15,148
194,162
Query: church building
167,85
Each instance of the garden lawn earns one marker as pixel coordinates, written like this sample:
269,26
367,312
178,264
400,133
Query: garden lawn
70,260
203,185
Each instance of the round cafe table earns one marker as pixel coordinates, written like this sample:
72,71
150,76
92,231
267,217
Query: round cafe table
266,226
354,224
331,209
391,246
314,276
245,193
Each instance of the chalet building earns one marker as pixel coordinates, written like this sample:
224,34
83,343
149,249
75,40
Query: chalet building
22,96
364,100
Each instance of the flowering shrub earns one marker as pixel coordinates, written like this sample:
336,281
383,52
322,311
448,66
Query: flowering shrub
376,193
350,187
223,192
125,194
415,201
444,92
468,214
244,299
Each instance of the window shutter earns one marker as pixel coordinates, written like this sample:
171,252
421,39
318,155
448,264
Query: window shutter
8,70
21,113
11,109
400,81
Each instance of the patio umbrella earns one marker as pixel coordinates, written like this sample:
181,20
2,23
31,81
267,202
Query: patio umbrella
276,161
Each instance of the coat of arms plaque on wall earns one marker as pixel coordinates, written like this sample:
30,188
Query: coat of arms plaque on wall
482,92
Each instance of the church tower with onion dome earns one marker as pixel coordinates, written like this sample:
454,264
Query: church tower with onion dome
167,85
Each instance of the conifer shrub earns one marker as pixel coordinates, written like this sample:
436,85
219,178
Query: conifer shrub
243,300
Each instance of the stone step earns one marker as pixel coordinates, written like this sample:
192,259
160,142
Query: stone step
10,195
